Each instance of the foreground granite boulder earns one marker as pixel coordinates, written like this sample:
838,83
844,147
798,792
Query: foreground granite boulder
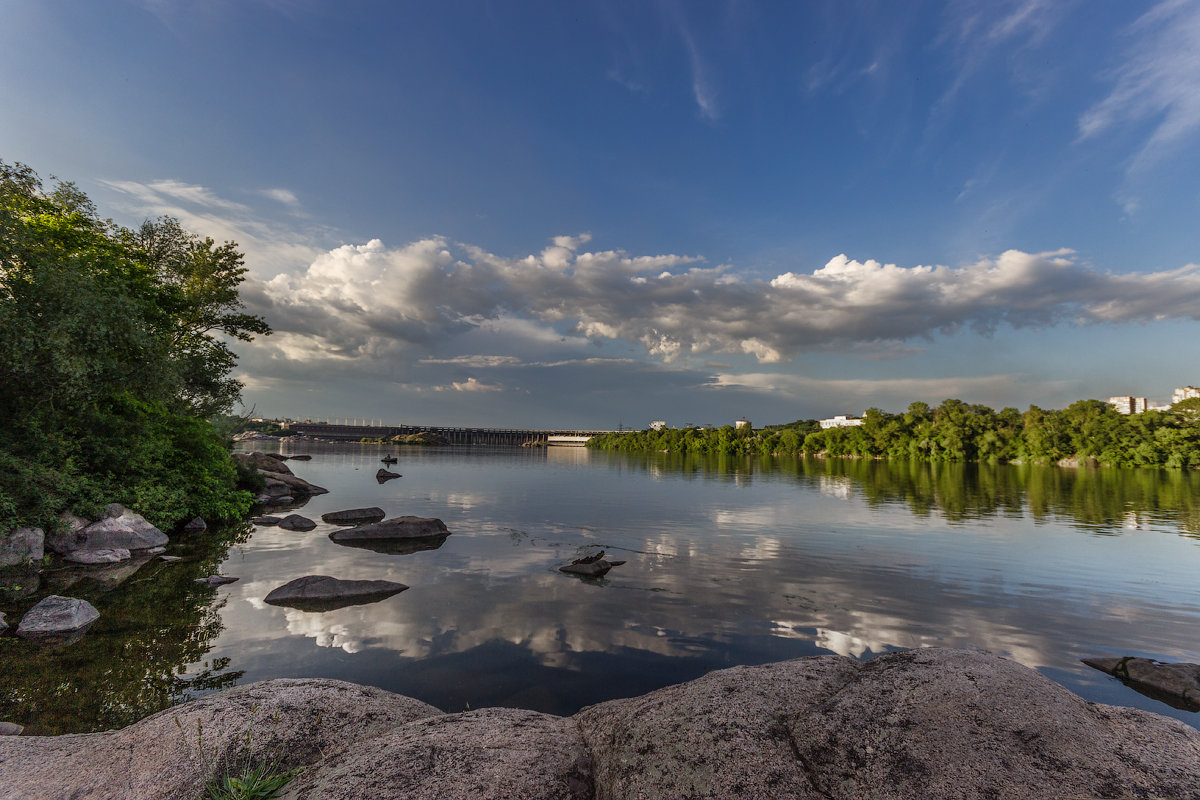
296,721
919,725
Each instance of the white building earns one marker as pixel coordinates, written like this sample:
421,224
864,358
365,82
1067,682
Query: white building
738,424
1184,393
1129,405
658,424
841,421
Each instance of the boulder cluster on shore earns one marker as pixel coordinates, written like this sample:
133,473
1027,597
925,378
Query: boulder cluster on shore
930,724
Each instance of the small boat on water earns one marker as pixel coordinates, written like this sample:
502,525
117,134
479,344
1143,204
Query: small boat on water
389,459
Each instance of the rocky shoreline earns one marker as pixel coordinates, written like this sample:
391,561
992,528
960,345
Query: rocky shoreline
928,724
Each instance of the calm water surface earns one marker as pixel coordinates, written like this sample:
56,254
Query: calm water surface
730,561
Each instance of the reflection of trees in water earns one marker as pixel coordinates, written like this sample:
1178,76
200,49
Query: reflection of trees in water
1102,500
133,661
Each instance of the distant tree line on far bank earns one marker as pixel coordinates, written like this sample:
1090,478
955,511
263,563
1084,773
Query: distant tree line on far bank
1088,430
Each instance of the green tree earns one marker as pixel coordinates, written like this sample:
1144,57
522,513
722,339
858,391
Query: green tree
110,362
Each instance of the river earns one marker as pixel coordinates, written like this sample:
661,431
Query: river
729,561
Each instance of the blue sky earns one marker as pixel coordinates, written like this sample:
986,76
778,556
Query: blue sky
585,214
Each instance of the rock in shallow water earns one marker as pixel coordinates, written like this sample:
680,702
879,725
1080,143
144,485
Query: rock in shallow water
324,593
56,615
354,516
295,522
105,556
120,528
408,527
1177,685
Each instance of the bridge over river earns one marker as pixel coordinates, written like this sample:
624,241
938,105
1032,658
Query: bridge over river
469,436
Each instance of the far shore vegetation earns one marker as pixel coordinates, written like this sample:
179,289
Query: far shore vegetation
113,362
1086,431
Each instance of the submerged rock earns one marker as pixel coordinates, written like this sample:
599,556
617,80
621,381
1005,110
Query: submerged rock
216,580
593,566
354,516
266,519
323,593
407,527
56,615
929,724
383,475
1176,684
295,522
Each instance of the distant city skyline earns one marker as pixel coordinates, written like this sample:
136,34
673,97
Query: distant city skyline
548,215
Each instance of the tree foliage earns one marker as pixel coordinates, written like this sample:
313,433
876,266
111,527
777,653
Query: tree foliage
112,359
960,432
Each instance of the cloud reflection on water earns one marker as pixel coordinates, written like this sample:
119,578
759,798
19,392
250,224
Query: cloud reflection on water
719,572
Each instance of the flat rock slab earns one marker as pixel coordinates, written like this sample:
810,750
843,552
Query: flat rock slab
112,555
917,725
56,615
10,729
395,528
170,559
354,516
324,593
295,522
266,519
1177,685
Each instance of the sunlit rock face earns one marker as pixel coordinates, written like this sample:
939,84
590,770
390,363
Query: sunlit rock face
930,724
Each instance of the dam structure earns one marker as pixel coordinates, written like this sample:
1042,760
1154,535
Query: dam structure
484,437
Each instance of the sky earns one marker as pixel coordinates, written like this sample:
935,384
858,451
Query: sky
592,214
